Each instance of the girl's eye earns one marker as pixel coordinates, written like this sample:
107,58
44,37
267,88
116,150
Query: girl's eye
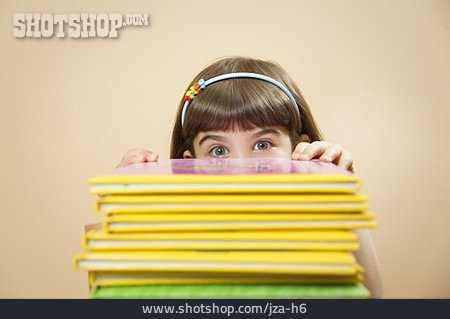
262,145
219,151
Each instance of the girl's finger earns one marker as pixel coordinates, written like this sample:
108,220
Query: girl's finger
137,151
152,157
331,154
132,159
346,160
316,149
138,158
134,156
124,161
299,149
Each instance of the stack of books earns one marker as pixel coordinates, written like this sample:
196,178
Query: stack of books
227,228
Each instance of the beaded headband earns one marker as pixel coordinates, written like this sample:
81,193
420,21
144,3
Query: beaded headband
202,84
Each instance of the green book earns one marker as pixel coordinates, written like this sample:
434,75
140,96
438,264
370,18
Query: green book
231,291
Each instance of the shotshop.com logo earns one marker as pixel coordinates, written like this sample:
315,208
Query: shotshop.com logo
80,25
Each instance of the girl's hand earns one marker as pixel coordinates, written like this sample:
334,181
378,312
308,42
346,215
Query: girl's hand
325,152
137,155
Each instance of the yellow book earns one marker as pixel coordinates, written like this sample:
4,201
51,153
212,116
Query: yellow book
269,262
226,240
127,278
222,222
263,175
231,203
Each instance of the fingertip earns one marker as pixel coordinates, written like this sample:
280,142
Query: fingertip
325,158
344,164
347,164
138,158
152,157
125,162
304,156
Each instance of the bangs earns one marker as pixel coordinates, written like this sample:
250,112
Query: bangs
239,105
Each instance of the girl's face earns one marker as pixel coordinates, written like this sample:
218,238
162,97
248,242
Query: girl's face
259,142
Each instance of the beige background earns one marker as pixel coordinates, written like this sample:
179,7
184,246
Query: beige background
376,74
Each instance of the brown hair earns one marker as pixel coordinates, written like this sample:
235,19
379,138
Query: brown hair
242,104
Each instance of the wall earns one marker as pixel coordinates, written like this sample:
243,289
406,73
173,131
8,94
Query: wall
376,74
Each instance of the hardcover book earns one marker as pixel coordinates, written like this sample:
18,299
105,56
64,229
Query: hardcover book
262,175
267,262
229,203
233,291
226,240
116,223
128,278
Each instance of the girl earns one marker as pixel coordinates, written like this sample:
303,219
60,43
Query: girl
239,108
244,107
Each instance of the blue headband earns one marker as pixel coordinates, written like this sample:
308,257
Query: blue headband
202,84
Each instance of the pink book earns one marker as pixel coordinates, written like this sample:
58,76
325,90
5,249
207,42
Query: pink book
226,175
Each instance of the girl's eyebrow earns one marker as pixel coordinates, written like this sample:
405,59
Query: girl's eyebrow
212,137
267,131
